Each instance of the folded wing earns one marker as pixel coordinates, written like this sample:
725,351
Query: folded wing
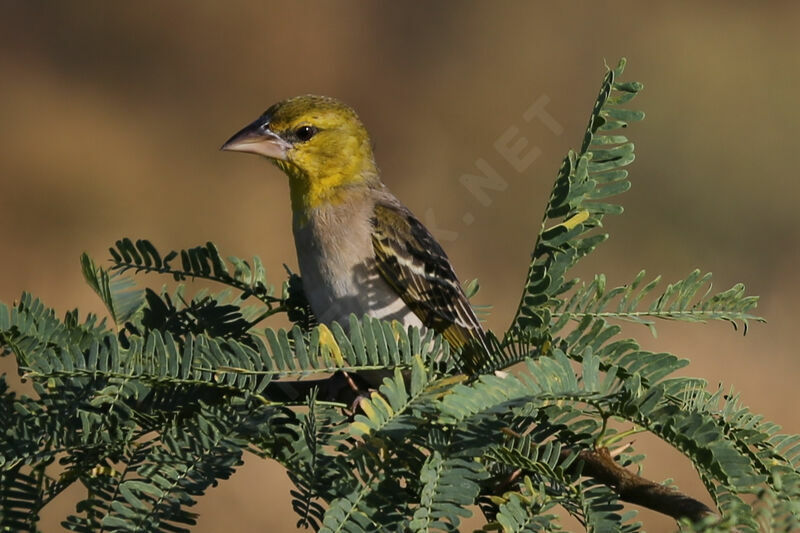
417,268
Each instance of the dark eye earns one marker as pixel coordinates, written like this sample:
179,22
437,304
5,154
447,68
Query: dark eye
304,133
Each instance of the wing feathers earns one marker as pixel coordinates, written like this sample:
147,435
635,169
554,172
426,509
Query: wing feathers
417,268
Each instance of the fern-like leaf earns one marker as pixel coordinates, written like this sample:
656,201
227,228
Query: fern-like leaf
116,290
688,300
577,204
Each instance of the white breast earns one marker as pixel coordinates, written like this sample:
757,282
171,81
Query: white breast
336,259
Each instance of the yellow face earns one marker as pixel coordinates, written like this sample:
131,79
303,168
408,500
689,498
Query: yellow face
317,141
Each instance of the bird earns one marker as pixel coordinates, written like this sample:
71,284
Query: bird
359,249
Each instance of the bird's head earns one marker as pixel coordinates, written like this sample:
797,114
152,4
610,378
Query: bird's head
319,142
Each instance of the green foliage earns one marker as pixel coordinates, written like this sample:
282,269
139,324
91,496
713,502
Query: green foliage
149,413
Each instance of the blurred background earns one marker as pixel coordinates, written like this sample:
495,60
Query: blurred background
111,116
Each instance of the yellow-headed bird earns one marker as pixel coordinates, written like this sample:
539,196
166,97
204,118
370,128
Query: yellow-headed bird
359,249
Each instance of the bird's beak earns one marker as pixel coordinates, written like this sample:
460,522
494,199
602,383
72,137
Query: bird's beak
257,138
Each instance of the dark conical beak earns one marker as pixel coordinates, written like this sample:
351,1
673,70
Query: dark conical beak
257,138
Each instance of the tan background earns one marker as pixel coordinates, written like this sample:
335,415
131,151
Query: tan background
111,116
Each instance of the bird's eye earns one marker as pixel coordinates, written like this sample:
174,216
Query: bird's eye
304,133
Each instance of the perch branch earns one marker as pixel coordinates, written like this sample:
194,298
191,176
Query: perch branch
632,488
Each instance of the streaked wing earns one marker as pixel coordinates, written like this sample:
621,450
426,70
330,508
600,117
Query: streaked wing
416,266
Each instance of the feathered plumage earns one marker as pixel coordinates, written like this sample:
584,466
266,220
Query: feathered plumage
359,249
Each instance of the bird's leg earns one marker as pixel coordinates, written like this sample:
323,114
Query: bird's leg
350,382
